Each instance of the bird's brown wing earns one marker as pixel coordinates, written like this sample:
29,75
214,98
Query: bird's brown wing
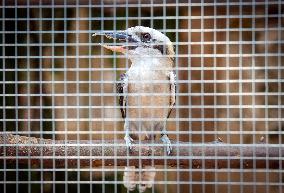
172,79
121,88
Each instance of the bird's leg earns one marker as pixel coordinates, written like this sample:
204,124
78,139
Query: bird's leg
129,178
165,139
127,138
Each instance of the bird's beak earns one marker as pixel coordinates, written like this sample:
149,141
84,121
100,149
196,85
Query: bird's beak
119,35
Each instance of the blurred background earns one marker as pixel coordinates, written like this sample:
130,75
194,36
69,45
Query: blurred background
57,82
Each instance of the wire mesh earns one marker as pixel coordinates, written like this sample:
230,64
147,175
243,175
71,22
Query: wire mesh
59,83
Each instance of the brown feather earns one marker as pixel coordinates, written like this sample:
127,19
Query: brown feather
120,92
172,98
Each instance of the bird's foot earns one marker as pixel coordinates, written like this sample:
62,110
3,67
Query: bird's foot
147,179
165,139
128,141
130,178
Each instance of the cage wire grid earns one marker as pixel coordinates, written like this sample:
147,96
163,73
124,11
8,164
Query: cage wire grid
59,83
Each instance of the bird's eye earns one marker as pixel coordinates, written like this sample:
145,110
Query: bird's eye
146,37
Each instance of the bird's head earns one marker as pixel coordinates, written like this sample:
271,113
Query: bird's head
140,41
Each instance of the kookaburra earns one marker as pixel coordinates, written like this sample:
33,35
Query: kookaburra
146,91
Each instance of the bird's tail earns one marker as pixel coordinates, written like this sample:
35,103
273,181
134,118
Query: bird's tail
144,179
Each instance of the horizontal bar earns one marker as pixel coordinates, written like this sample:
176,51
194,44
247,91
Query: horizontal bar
76,94
171,132
223,43
111,69
163,182
129,3
237,29
111,18
124,56
48,153
114,106
150,82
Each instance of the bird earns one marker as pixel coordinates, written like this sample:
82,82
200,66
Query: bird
146,91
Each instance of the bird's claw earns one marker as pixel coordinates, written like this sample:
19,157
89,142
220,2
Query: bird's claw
165,139
128,141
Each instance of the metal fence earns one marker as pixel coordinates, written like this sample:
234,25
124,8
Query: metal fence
59,83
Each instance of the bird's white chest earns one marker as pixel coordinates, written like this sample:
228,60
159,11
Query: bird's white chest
148,97
147,72
148,91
